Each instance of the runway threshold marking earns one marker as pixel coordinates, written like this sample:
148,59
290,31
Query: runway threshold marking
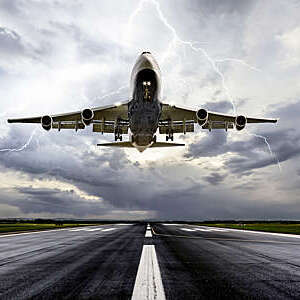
148,283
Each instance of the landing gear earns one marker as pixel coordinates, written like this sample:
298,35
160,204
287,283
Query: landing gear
118,130
170,136
154,139
118,136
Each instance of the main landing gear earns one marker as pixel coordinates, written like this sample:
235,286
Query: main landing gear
118,135
170,136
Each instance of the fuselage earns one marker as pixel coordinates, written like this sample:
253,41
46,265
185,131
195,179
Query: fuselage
145,106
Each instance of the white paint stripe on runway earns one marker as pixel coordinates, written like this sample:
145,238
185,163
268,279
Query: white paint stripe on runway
109,229
263,232
148,284
35,232
148,233
187,229
167,224
81,229
95,229
207,230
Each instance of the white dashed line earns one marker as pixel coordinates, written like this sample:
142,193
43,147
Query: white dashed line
148,233
148,283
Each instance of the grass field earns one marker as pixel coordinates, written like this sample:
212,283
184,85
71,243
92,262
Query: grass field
15,227
269,227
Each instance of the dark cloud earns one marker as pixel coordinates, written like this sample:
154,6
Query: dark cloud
254,153
54,201
212,144
214,178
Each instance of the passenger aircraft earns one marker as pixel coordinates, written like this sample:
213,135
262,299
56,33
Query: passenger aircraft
143,114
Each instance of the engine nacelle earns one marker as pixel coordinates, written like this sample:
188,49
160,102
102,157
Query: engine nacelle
240,122
202,116
87,116
46,122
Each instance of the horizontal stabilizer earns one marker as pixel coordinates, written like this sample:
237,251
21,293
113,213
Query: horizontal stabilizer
117,144
164,144
129,145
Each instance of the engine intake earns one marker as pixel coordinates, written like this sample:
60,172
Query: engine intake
240,122
87,116
46,122
202,116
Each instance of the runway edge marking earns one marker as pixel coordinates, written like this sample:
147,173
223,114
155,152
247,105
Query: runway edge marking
148,282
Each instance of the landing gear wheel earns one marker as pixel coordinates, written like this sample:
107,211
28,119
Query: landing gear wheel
154,139
120,138
167,138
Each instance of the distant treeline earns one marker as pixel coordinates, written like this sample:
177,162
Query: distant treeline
57,221
92,221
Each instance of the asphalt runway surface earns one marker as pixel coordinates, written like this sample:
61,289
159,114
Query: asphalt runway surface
158,261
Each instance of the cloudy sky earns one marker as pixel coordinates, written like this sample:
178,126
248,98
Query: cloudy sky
58,56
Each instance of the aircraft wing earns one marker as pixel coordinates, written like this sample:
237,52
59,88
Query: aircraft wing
182,119
103,118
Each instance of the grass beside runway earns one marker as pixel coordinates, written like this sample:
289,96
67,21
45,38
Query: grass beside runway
268,227
21,227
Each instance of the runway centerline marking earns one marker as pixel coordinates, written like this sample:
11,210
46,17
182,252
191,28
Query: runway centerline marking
148,283
148,233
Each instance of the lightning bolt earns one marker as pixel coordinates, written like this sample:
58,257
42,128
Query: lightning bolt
269,147
21,148
213,62
240,61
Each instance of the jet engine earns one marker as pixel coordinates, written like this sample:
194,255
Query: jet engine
240,122
46,122
87,116
202,116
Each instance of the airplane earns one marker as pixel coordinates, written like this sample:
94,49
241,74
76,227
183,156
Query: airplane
143,114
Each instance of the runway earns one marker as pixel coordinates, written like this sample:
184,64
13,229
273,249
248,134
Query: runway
158,261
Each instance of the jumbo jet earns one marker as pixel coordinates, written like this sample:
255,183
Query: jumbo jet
143,114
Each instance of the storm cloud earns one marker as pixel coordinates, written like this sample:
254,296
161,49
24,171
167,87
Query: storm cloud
59,56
